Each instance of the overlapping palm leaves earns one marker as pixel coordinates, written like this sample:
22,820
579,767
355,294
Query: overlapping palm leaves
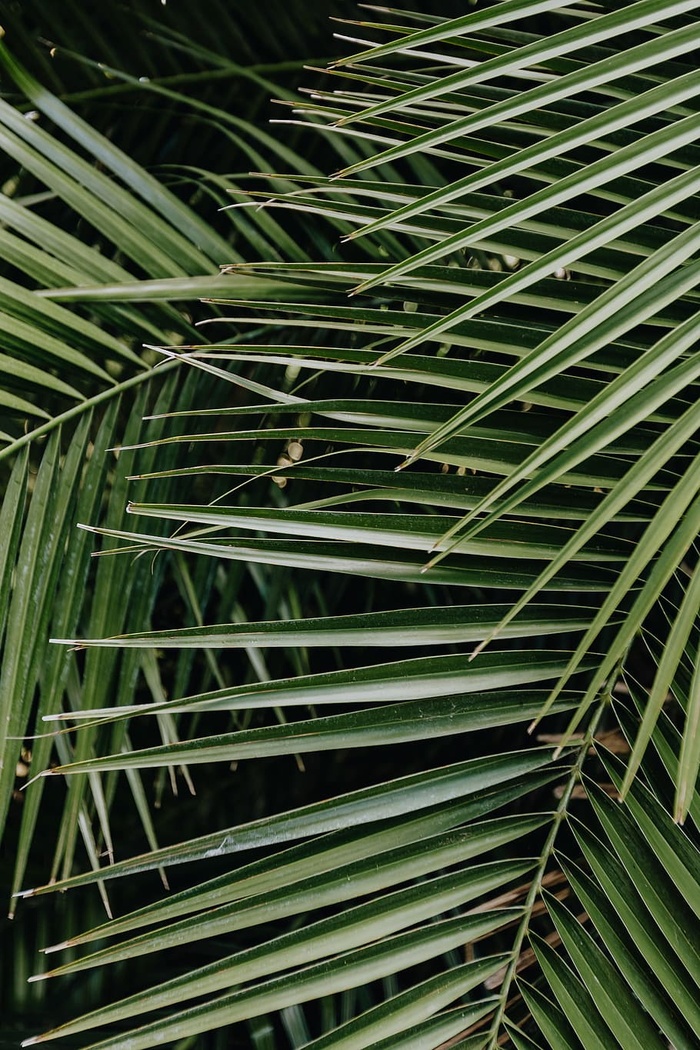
96,248
543,345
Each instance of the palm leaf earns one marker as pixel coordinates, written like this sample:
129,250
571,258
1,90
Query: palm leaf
572,401
73,373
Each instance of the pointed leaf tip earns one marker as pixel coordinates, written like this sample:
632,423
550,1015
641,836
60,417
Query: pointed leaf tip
56,947
32,780
480,648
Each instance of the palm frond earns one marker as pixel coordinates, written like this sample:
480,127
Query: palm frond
505,405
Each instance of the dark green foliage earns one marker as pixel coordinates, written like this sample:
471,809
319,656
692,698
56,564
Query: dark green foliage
426,477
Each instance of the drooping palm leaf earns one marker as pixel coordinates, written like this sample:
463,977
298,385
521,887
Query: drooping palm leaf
82,215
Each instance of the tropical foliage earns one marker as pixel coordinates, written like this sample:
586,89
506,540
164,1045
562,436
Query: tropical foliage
432,482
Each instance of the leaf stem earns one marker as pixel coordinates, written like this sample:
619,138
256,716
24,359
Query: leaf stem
560,814
85,406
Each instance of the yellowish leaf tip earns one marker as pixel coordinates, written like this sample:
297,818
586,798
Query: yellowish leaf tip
479,648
